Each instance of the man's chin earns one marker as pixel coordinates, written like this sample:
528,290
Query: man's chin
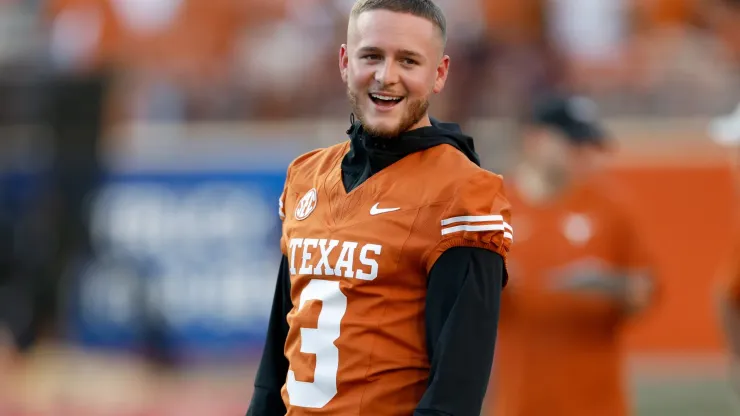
392,123
383,129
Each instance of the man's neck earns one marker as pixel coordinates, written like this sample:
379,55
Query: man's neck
424,122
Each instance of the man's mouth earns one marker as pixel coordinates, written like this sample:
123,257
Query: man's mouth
385,101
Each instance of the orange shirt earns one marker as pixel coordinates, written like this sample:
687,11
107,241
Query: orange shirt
359,263
731,271
558,354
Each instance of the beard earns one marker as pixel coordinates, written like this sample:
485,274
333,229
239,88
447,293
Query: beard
415,111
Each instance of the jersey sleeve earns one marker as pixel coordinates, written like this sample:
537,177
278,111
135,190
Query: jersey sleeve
478,215
634,258
634,254
281,209
281,205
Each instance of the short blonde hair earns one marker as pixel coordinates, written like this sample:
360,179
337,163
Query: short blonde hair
425,9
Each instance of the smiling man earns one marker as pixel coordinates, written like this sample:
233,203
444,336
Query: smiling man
393,243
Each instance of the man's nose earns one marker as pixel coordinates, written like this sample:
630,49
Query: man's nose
387,74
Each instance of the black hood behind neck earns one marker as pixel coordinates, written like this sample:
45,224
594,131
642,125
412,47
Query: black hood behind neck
369,155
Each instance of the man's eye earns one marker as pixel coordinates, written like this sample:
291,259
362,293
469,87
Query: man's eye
408,61
372,57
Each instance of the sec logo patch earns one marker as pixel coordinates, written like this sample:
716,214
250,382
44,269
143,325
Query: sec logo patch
306,205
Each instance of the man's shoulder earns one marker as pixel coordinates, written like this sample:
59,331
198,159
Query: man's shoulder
454,173
318,159
466,207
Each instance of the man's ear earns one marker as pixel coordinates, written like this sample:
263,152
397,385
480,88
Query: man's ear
442,70
343,62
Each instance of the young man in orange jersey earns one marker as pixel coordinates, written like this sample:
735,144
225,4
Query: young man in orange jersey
394,243
578,273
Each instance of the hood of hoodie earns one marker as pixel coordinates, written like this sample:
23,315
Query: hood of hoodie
369,155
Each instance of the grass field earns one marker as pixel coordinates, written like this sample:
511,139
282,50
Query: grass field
698,397
682,386
61,382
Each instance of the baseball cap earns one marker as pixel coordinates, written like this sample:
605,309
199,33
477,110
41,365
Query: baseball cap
725,130
576,117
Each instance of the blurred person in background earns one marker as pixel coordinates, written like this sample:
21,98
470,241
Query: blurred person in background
726,132
394,243
591,38
25,240
117,61
677,60
7,337
514,62
15,315
724,15
307,31
55,235
472,51
171,60
578,273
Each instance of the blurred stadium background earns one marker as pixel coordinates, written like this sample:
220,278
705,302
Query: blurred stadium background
143,145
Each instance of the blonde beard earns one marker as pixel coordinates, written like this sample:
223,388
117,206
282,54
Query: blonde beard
414,113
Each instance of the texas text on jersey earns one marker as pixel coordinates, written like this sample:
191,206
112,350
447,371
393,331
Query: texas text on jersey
359,263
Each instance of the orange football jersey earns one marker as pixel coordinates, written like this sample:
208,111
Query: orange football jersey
359,263
558,352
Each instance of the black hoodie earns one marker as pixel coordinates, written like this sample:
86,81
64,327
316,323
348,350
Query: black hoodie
462,301
369,155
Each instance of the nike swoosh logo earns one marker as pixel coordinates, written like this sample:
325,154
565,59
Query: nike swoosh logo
377,211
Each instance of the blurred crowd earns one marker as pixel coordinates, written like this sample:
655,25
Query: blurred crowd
181,60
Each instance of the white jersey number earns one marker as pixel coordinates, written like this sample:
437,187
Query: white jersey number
320,341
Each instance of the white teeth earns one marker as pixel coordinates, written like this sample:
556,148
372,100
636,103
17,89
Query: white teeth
385,97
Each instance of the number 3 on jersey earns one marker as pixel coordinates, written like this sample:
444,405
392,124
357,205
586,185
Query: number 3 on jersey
320,341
